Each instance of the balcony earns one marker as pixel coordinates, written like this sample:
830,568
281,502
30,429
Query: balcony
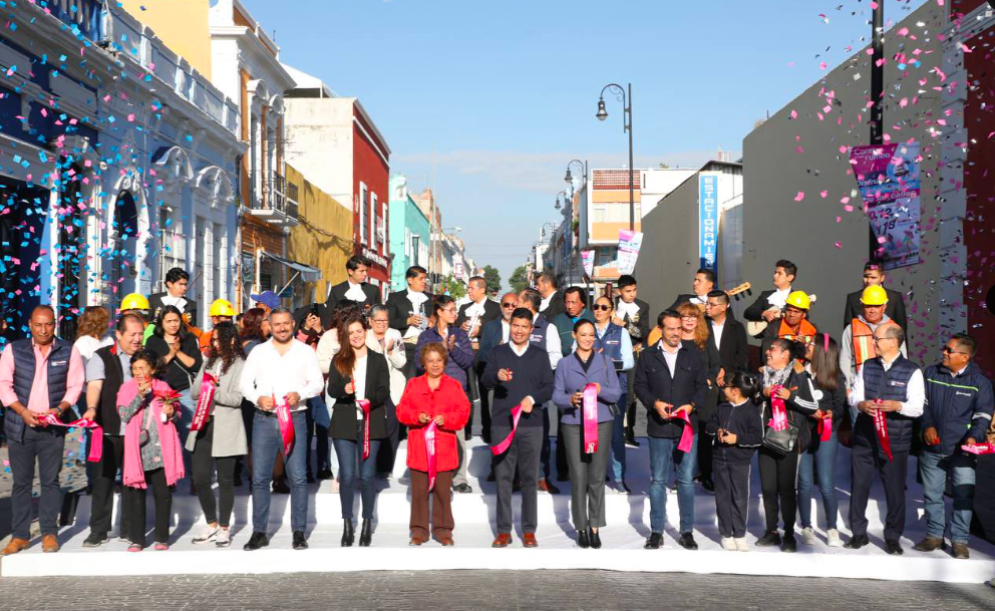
279,207
82,16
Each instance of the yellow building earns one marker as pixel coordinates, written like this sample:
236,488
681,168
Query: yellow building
181,24
323,239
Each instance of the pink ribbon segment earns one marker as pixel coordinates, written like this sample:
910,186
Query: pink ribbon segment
590,414
207,389
779,412
687,436
96,439
430,454
286,422
979,449
364,404
826,427
881,428
501,448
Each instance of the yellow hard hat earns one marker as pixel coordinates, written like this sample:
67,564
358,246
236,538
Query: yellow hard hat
221,307
135,301
800,300
874,295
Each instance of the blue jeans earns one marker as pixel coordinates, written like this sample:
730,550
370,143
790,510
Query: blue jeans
820,457
266,443
618,436
935,469
350,453
664,454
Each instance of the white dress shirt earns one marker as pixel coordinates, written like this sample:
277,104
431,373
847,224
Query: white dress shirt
474,313
545,302
505,331
717,330
355,292
553,345
268,373
179,302
416,299
359,381
670,357
627,309
778,299
915,396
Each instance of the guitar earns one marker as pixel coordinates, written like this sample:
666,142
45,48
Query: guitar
756,328
736,292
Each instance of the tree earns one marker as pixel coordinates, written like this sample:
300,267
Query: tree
455,289
519,279
493,279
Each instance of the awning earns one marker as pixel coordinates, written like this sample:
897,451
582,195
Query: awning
307,273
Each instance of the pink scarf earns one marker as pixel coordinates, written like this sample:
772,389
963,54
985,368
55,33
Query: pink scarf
172,453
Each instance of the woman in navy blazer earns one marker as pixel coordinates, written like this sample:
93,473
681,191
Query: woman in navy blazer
587,471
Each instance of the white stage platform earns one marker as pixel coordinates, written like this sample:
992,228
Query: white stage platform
628,525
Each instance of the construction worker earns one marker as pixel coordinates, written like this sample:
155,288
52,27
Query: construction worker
793,324
138,304
221,311
857,344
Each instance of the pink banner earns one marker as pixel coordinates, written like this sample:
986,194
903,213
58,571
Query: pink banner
687,436
826,426
501,448
96,439
286,421
779,412
590,413
881,428
979,449
433,467
364,404
207,389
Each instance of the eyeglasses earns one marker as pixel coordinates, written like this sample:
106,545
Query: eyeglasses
508,305
881,339
949,350
689,317
601,307
381,321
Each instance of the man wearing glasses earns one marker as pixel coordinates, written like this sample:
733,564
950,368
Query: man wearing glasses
958,412
892,385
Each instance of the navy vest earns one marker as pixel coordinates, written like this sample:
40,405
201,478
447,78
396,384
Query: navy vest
539,330
24,375
891,385
611,343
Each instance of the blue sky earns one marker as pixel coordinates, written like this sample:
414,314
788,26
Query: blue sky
486,102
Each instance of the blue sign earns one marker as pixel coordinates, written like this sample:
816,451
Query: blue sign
708,220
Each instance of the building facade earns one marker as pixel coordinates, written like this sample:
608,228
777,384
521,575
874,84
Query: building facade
410,233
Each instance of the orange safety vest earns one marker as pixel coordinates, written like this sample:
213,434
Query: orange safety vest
863,342
806,332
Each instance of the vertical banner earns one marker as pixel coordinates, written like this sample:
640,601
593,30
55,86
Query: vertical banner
888,179
708,220
587,259
629,243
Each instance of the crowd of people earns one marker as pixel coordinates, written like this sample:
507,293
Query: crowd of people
165,402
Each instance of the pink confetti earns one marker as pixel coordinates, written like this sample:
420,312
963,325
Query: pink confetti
839,244
800,196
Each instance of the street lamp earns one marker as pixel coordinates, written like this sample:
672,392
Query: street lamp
565,198
569,179
626,126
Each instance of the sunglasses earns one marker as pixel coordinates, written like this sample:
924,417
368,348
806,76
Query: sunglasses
508,305
601,307
949,350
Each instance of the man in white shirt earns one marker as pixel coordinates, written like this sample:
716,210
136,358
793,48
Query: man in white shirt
551,305
355,289
409,312
177,285
891,386
769,306
473,316
277,371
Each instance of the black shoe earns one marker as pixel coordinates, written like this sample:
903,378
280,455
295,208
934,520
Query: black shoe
770,539
630,440
348,533
708,485
310,478
595,539
96,539
299,541
366,533
893,547
325,474
655,541
857,542
258,540
789,544
463,488
687,541
583,539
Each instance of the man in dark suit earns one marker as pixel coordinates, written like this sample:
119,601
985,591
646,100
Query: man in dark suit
472,318
177,285
552,298
770,304
355,288
874,275
671,381
704,283
409,312
633,314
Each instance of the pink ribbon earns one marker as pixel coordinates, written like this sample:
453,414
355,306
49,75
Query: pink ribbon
286,421
779,412
96,439
687,436
364,404
501,448
826,427
433,468
207,389
590,415
881,428
979,448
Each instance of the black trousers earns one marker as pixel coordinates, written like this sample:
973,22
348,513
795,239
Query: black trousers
203,468
705,449
485,406
777,483
630,412
387,452
320,431
44,447
156,480
524,454
102,493
732,495
866,461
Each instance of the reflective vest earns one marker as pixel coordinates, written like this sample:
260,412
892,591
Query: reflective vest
806,332
863,342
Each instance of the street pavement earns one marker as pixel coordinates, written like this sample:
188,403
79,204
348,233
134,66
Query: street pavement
482,590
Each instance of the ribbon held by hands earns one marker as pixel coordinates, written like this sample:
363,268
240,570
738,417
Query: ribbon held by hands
779,412
687,436
430,454
881,428
364,404
96,439
589,406
501,448
286,422
979,449
207,389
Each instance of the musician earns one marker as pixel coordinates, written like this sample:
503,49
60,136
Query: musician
633,314
177,285
770,304
355,288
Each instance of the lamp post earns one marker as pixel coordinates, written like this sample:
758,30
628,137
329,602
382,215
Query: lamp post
569,179
566,198
626,126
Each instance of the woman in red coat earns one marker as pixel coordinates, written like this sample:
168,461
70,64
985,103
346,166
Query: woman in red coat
439,399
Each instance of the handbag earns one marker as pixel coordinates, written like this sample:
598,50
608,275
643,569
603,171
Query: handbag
784,441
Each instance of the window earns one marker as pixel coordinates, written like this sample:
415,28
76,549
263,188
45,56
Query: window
414,249
375,237
363,226
606,256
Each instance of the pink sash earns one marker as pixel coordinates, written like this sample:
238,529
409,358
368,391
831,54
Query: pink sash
881,428
501,448
364,404
590,410
207,389
687,436
779,412
96,439
286,421
826,427
433,469
979,449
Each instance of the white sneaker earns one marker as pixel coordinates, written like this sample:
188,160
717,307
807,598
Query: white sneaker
224,537
741,544
210,534
834,538
808,536
728,544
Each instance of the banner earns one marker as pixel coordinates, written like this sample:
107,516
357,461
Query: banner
587,259
888,179
628,250
708,220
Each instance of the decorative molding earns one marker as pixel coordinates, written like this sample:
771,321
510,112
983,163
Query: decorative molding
213,182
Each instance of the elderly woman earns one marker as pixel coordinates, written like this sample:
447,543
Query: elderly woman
587,464
433,398
388,342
